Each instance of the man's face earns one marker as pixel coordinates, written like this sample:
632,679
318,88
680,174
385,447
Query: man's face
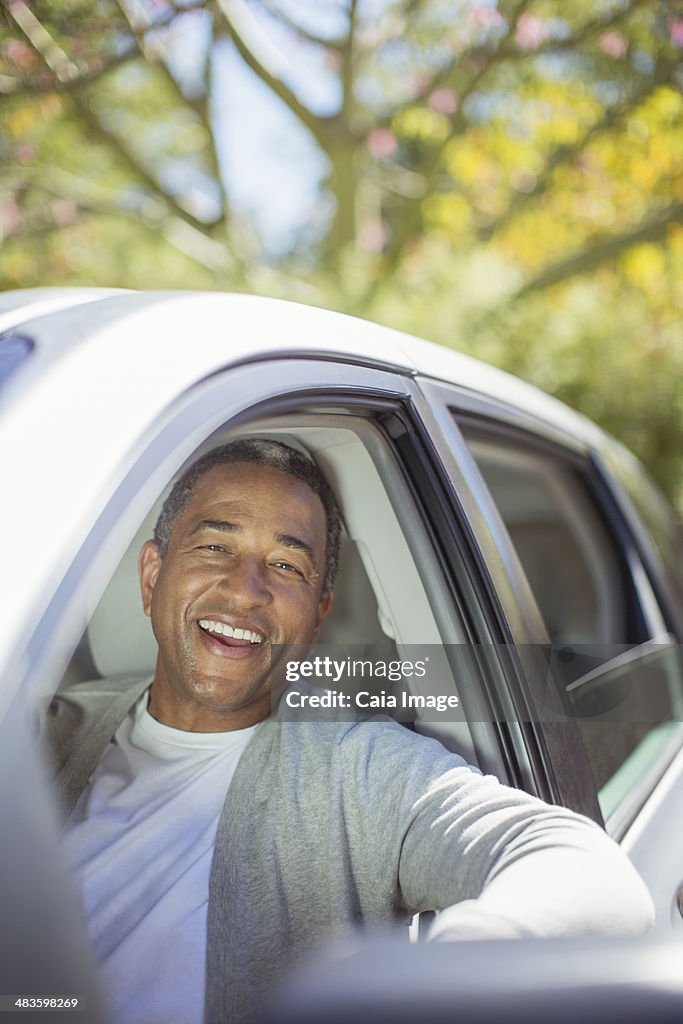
247,554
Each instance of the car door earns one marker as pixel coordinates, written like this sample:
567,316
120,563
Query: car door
610,611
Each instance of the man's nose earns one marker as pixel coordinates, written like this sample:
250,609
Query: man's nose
245,581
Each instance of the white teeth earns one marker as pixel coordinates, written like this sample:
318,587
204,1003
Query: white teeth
222,627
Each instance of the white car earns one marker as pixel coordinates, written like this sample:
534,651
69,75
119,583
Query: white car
483,519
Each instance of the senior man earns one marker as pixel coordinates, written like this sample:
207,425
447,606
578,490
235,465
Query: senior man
214,843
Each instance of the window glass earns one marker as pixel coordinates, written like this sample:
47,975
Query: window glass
655,513
565,551
618,668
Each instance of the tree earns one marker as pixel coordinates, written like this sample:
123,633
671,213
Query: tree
470,118
494,166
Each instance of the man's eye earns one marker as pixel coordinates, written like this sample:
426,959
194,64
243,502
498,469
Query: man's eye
280,564
212,547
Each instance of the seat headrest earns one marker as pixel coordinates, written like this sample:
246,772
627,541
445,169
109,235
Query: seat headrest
120,634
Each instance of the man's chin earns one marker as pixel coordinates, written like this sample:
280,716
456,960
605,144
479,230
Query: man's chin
222,696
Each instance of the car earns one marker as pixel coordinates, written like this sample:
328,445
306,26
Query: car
385,981
487,526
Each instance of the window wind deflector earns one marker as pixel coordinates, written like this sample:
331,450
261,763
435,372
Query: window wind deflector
625,662
14,350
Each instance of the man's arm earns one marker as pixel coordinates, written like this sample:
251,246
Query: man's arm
541,870
496,861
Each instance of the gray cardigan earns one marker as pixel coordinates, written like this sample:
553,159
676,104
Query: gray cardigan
331,824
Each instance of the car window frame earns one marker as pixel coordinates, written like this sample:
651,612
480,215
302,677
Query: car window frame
547,739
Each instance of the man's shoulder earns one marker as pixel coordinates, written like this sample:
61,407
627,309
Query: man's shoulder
101,688
383,731
78,708
379,738
76,700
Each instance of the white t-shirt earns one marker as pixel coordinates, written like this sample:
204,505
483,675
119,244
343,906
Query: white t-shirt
140,841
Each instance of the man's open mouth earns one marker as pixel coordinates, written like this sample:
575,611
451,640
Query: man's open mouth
230,636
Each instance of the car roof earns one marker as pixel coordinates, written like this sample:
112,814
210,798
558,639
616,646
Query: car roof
238,328
27,303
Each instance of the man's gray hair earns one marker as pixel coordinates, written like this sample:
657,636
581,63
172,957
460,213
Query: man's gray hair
262,453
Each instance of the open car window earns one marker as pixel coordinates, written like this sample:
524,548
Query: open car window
391,595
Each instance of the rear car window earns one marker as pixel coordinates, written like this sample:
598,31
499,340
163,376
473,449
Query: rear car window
618,666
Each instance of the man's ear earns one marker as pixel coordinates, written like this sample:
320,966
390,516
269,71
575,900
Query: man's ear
323,609
149,564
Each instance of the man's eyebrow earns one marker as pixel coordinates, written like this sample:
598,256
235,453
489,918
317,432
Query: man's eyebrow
216,524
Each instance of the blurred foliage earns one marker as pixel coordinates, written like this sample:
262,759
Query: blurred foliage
505,176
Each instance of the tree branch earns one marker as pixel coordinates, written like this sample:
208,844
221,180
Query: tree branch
603,248
59,62
154,215
310,37
56,59
392,24
42,42
599,24
566,154
347,54
203,111
503,50
411,214
239,20
487,59
139,172
21,87
140,30
482,58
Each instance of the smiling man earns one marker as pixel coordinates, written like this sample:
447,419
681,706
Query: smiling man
215,844
241,569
